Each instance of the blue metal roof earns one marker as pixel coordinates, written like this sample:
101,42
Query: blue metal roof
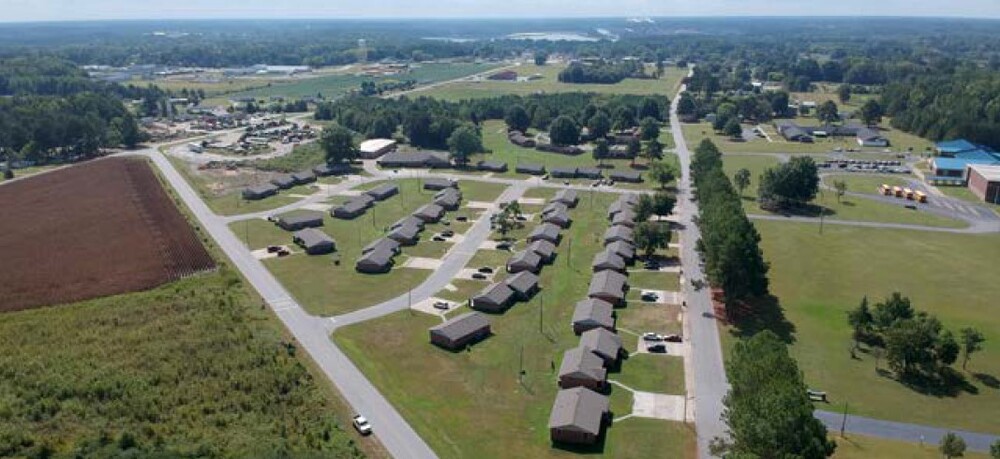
976,155
956,146
959,164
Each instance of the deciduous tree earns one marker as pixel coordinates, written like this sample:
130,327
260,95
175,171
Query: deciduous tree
952,445
517,118
564,131
972,342
742,179
651,236
338,144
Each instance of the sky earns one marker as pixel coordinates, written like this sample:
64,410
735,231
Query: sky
69,10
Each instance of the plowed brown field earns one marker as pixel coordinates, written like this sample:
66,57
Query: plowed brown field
91,230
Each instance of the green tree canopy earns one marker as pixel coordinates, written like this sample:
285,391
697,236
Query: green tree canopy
662,173
790,184
952,445
338,144
465,141
599,125
564,131
649,129
517,118
828,112
742,179
651,236
871,113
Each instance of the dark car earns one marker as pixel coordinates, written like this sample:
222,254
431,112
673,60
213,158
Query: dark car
461,218
438,239
479,276
673,338
657,348
447,233
652,264
486,270
273,248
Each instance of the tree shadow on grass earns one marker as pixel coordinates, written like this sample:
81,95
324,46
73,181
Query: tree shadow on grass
807,210
946,383
765,313
987,380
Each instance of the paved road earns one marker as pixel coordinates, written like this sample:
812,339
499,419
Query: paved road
900,431
709,378
312,333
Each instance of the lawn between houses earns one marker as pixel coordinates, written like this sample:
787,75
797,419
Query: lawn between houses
848,208
324,288
471,403
818,278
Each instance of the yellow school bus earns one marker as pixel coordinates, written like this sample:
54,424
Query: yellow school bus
885,190
897,191
908,193
921,197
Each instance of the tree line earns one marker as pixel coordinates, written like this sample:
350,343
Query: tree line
602,72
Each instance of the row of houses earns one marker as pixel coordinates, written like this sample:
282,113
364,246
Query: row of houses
582,408
518,138
864,135
280,182
379,255
356,206
304,226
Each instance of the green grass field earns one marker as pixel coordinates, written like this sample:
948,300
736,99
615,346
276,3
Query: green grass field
848,208
641,317
192,368
865,183
861,447
549,83
471,403
325,288
337,85
818,278
653,373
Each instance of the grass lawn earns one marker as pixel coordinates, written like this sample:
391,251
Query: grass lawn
549,83
230,201
866,183
480,191
898,140
641,317
471,403
464,289
653,280
653,373
818,278
192,368
861,447
855,209
325,288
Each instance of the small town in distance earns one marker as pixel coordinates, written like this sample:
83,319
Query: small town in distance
422,230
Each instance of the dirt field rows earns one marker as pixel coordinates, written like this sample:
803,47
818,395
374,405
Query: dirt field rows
92,230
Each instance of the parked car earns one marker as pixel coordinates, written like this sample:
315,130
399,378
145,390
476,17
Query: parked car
657,348
447,233
650,297
273,248
651,264
284,253
486,270
650,336
503,246
442,305
461,218
361,425
479,276
272,218
438,239
672,338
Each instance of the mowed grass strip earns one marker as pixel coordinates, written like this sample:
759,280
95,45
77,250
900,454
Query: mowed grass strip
653,373
819,278
472,402
862,447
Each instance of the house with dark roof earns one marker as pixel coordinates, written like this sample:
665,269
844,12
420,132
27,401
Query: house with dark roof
349,210
579,416
604,344
559,218
593,313
326,169
496,298
530,168
626,176
618,233
610,286
524,284
365,200
432,160
519,139
377,261
622,249
524,261
314,241
581,368
617,207
449,198
258,192
409,220
608,260
283,181
461,331
563,172
590,172
544,249
405,235
295,221
430,213
624,218
571,150
492,166
383,192
382,243
545,232
566,197
554,206
437,184
303,177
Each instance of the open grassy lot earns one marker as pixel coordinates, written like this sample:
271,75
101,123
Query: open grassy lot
653,280
818,278
653,373
549,83
641,317
229,201
326,288
861,447
848,208
898,140
193,368
472,403
336,85
480,191
865,183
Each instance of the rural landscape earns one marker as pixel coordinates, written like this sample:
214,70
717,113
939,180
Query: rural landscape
763,234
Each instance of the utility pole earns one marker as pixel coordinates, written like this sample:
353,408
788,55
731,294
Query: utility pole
843,424
541,314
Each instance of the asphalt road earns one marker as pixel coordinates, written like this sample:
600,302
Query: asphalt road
901,431
709,379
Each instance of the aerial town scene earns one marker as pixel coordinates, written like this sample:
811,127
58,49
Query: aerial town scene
448,229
